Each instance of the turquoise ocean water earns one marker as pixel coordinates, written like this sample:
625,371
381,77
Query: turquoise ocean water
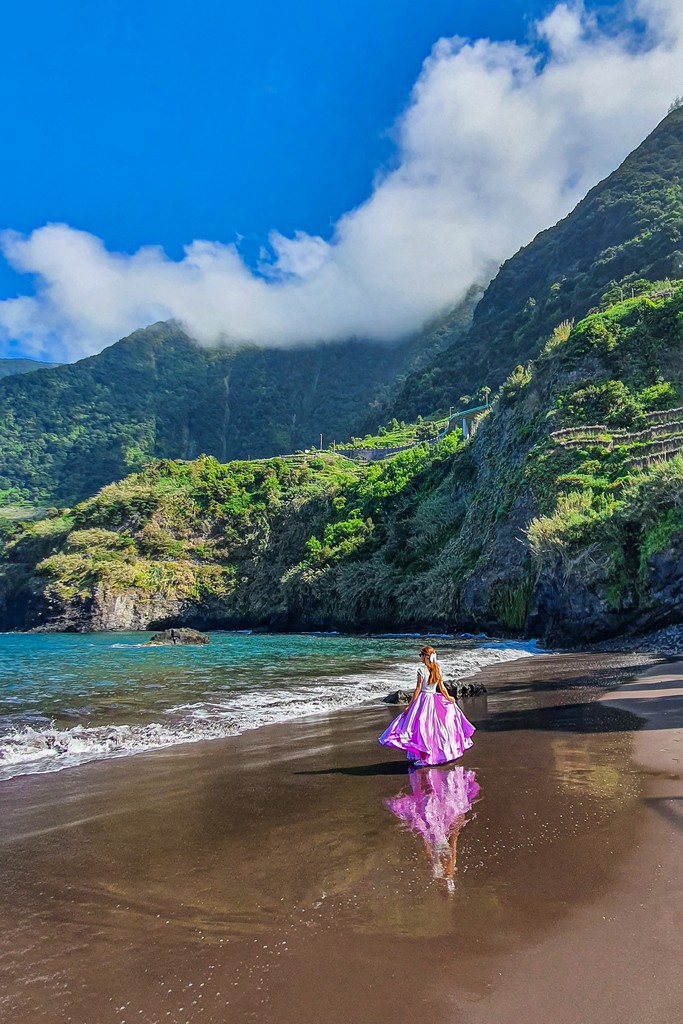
68,698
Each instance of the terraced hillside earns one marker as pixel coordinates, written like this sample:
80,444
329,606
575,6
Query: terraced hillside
660,440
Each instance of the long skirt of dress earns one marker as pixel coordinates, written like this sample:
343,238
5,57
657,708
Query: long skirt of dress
432,728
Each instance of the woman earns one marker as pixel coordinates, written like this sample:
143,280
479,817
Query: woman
432,729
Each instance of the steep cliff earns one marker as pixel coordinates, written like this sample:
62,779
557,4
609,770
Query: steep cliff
626,233
562,516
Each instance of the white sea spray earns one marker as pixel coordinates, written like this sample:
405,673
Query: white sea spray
31,750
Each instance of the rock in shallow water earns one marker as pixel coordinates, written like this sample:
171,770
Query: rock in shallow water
175,636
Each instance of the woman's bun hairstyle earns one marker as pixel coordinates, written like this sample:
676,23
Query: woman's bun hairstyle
433,665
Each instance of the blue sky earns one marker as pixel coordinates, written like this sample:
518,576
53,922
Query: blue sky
158,122
149,123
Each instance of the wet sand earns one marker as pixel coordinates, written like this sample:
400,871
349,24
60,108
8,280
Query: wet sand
270,878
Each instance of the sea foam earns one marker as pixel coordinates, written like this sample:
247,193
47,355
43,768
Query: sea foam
33,750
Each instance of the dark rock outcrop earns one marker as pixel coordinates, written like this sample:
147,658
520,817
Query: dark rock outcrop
181,635
666,580
457,690
465,689
580,611
102,611
397,697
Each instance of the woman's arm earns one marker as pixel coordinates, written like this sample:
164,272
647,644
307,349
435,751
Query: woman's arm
444,693
416,690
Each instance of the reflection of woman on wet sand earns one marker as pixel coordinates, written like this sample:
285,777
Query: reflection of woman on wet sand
437,807
443,856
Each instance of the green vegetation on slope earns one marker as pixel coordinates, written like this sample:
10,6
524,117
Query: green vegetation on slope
399,435
11,366
564,508
626,233
225,538
184,530
609,480
67,432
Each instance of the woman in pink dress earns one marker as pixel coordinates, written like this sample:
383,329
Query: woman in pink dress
432,729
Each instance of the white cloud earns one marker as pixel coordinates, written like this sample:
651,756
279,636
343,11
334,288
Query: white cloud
498,141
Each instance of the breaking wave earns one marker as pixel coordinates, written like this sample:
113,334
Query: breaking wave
31,750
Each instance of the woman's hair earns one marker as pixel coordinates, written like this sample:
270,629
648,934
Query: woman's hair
432,664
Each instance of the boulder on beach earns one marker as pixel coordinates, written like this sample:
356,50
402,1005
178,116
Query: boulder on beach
174,636
398,697
465,689
457,690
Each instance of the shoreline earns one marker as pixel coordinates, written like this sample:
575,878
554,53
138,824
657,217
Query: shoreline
264,876
49,750
35,750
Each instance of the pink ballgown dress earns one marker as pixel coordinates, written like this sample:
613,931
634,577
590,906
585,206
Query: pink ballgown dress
432,727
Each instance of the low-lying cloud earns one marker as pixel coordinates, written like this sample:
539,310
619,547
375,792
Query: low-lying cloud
498,141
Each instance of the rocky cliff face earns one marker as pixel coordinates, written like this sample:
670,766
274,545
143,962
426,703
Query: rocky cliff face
106,611
572,611
102,611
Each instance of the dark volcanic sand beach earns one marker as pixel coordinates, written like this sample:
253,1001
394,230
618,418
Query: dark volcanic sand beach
264,878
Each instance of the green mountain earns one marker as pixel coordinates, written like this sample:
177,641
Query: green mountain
626,234
66,432
8,367
562,516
